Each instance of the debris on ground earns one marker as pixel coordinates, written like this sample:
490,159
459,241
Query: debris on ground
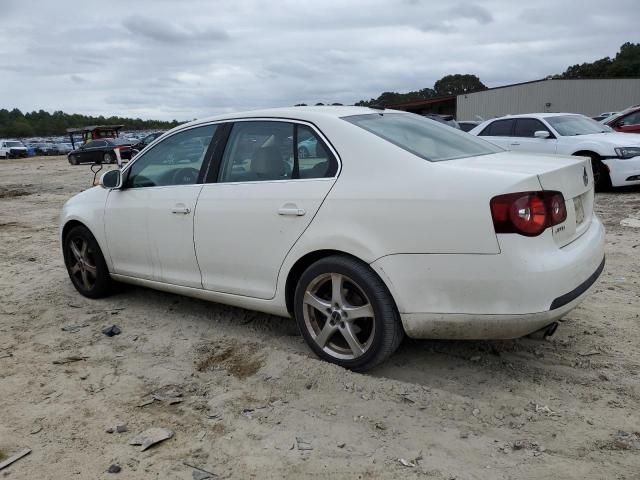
73,328
112,331
151,436
22,453
625,441
199,473
114,469
71,359
6,355
119,428
303,444
407,463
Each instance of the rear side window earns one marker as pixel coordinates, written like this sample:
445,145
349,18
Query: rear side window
274,150
499,128
425,138
526,127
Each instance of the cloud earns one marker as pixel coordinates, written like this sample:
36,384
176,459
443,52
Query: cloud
188,59
170,32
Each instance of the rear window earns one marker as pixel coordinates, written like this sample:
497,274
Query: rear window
499,128
425,138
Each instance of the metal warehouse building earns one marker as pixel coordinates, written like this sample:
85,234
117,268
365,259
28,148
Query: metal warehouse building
587,96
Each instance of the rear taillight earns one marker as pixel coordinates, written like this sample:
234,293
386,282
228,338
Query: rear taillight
527,213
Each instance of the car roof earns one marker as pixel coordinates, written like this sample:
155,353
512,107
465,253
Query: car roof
295,113
535,115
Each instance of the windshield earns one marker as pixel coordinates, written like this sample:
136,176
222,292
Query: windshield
425,138
14,144
571,125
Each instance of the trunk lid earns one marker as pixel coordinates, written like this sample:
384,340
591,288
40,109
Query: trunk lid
572,176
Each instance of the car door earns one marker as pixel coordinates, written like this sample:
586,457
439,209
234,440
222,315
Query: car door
261,198
149,222
524,138
499,133
629,123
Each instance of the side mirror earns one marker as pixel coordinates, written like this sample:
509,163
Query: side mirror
541,134
110,179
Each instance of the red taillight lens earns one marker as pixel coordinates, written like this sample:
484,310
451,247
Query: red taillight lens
527,213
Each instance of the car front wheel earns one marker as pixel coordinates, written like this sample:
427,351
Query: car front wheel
85,263
346,313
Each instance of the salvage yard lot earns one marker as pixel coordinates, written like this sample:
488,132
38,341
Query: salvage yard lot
246,399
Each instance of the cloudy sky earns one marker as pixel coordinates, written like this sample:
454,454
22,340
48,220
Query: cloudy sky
187,59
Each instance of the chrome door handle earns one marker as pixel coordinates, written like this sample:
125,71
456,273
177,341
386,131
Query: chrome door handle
515,143
295,211
181,210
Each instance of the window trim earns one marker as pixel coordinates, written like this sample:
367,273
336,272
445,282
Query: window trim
214,172
205,161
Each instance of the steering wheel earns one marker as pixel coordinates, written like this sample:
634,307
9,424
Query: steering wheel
184,176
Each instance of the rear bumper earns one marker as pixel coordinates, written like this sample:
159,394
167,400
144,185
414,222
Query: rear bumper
623,171
507,295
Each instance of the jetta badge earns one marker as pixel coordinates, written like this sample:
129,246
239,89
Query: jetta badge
585,177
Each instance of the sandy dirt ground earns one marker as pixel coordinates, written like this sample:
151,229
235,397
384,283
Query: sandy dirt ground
246,398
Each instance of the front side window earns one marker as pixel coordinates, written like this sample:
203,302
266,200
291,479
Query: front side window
527,127
632,119
177,160
425,138
265,150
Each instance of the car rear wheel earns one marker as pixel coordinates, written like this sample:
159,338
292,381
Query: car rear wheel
85,263
109,157
346,313
74,160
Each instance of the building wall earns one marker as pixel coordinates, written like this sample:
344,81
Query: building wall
589,97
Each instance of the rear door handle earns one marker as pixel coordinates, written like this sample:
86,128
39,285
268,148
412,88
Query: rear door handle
180,209
291,209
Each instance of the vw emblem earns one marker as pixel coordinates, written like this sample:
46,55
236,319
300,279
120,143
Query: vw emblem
585,177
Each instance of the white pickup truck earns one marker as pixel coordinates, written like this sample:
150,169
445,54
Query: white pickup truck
12,149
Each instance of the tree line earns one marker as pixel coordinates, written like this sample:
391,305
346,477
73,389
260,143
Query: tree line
14,123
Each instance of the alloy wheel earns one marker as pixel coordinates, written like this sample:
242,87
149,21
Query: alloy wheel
82,264
339,316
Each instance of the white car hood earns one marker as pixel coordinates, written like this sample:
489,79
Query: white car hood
614,139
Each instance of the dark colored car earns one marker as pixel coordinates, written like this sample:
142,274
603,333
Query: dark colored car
627,121
102,150
446,119
467,125
146,141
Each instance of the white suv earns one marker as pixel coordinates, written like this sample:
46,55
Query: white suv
615,156
12,149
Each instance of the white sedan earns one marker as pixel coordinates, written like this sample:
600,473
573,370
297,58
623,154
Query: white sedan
615,157
393,225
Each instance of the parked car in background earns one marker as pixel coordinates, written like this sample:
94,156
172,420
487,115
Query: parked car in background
64,148
12,149
101,151
603,115
41,148
446,119
627,121
615,157
468,241
467,125
140,145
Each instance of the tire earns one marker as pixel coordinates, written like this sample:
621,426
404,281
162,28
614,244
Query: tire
327,319
73,160
108,158
91,275
601,177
